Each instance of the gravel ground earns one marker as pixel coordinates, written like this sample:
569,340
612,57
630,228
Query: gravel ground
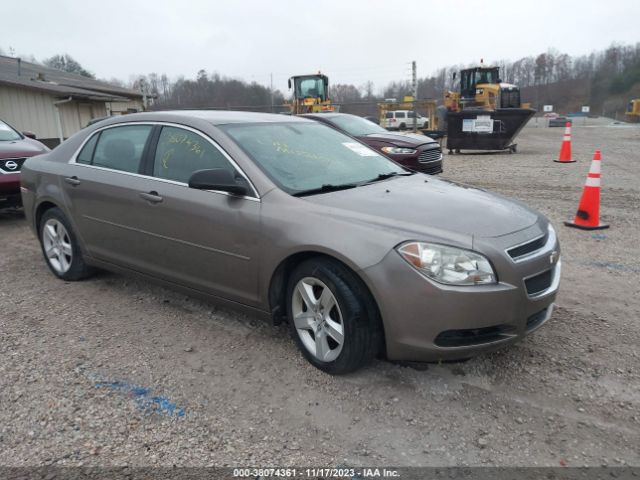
115,371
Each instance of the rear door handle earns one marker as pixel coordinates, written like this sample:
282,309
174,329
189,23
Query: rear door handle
72,180
152,196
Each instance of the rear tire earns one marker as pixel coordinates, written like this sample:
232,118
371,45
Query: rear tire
60,247
332,316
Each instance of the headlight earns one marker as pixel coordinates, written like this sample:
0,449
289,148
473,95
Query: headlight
450,265
399,150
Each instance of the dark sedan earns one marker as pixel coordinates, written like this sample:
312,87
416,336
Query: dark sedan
559,121
15,148
414,151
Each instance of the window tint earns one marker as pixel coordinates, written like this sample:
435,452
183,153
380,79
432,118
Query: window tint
388,115
86,154
181,152
400,115
121,148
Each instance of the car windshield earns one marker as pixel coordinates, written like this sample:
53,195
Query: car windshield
356,125
7,133
305,158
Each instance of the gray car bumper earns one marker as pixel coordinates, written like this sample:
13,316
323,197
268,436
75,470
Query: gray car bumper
426,321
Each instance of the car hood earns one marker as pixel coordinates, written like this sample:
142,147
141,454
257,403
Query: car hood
422,204
409,140
21,148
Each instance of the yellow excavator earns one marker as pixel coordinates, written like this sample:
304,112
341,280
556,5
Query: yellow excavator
633,110
310,94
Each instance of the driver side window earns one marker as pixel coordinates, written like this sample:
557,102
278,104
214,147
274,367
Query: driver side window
181,152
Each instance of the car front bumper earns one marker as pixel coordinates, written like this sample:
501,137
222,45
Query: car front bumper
9,189
427,321
427,160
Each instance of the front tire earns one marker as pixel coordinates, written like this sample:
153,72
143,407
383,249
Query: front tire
332,316
60,247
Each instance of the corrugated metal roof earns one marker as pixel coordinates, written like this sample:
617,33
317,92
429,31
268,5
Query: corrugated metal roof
58,82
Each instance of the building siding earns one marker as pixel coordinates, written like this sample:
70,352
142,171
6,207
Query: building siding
118,108
36,111
29,110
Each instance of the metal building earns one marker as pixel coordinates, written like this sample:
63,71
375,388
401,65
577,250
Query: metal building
55,104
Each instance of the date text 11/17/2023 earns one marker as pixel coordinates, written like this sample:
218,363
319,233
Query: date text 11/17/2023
316,473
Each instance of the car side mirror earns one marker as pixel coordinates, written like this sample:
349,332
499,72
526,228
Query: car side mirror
216,179
29,134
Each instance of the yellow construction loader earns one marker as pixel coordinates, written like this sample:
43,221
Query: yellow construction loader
310,94
485,114
481,88
633,110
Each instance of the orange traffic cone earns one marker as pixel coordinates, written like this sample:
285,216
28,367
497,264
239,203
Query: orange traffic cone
565,149
588,215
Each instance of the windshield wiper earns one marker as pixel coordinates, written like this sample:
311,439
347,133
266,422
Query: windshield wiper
384,176
327,187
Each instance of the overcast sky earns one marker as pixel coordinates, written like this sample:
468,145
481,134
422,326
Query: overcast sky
352,41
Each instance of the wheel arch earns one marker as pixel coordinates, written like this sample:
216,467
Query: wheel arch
278,286
40,211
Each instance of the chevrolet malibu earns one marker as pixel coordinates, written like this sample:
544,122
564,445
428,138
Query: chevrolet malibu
293,220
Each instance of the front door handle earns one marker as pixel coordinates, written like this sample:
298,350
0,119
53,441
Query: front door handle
152,196
72,180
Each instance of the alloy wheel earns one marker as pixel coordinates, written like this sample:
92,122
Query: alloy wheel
57,245
318,319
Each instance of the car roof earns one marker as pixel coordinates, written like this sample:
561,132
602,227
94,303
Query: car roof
328,115
215,117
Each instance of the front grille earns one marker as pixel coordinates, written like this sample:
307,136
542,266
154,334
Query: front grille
431,155
473,336
539,283
11,165
527,248
430,168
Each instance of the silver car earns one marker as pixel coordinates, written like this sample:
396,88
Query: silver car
293,220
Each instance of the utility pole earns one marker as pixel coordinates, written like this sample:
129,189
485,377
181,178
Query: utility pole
414,80
271,90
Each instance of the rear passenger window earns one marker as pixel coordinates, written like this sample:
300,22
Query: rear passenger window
181,152
388,115
86,154
400,115
121,148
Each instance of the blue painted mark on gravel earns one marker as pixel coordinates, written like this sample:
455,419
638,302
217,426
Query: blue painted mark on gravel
599,236
144,398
